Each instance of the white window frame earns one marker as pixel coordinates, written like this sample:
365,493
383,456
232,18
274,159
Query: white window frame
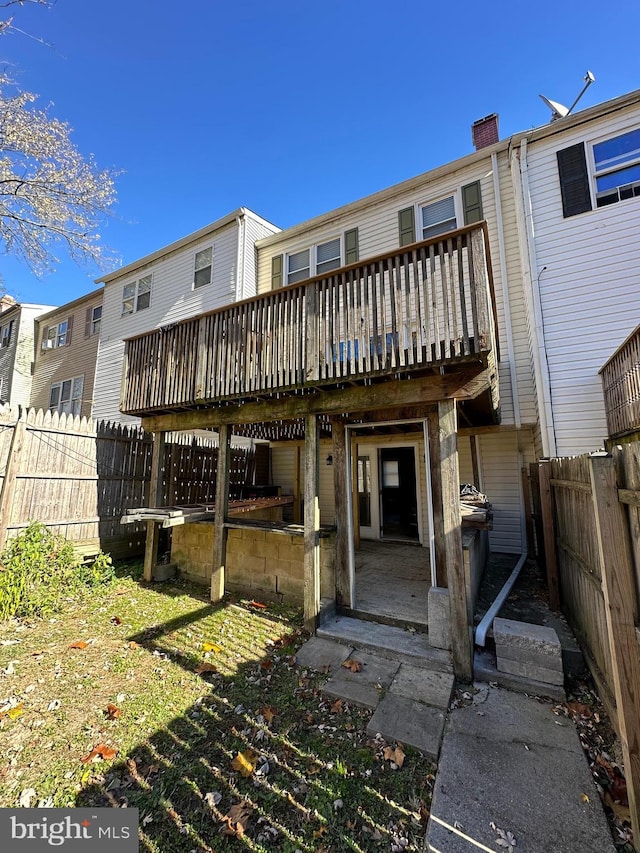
455,195
131,295
196,269
73,390
313,265
56,335
7,331
595,173
96,321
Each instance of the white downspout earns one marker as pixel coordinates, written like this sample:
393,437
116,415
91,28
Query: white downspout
526,234
240,282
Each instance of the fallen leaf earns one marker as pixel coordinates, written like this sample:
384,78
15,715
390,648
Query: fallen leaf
53,706
245,762
26,796
585,798
113,712
79,644
257,604
336,708
133,644
211,647
13,712
237,819
101,752
268,713
352,665
266,664
206,667
116,620
579,709
396,755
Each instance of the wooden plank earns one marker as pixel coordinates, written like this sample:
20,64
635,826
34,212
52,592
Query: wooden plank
548,526
358,399
571,485
155,498
222,512
449,475
311,524
340,488
433,425
621,603
631,497
528,513
12,469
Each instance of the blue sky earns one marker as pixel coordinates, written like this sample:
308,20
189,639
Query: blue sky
291,108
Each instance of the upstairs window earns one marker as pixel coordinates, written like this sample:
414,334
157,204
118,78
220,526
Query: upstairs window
58,335
315,260
136,296
298,266
438,217
617,168
66,397
328,256
203,267
6,334
96,317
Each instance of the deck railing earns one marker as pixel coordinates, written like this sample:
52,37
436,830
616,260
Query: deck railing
421,306
621,386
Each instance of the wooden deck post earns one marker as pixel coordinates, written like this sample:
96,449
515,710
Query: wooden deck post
222,510
155,499
340,486
549,529
436,499
10,474
621,608
311,524
447,472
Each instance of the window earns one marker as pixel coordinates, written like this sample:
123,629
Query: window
203,267
438,217
136,296
315,260
96,317
58,335
6,334
66,397
617,168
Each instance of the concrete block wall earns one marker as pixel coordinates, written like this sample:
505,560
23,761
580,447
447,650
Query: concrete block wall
259,562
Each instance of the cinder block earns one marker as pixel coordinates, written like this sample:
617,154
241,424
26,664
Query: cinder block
527,637
528,670
524,655
439,620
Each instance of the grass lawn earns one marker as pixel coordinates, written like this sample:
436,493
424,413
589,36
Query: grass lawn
150,697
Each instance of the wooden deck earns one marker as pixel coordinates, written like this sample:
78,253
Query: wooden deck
621,387
422,310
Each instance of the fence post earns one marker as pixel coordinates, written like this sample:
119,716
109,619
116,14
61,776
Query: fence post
155,499
548,525
10,475
620,598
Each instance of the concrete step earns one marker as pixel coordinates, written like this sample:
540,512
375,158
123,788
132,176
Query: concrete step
387,641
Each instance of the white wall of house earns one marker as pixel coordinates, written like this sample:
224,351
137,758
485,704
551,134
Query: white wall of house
173,297
588,266
16,358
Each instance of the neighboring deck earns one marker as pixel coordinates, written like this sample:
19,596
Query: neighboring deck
621,387
423,310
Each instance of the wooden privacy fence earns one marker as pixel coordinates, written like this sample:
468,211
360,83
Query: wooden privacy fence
78,476
590,512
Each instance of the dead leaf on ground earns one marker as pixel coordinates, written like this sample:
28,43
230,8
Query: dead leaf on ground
352,665
236,820
258,604
13,712
245,762
113,712
211,647
79,644
579,709
320,832
100,752
268,713
336,708
116,620
396,755
206,667
133,644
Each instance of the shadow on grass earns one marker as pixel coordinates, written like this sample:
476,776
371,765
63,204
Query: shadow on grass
261,761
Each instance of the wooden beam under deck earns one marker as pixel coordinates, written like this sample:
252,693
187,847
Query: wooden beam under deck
461,384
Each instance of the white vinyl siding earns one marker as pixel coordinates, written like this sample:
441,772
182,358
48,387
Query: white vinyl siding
501,479
589,286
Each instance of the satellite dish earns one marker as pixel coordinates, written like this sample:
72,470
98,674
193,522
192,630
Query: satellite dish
559,110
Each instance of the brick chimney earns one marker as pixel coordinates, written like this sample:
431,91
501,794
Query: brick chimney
484,132
6,302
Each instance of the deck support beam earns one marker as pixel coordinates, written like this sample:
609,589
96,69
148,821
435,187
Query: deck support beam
311,523
448,532
341,486
220,532
155,500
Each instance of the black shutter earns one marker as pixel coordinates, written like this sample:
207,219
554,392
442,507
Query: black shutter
277,262
574,180
472,203
407,226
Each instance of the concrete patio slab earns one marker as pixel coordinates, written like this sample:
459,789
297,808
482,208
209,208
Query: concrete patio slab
364,687
398,718
430,687
322,655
